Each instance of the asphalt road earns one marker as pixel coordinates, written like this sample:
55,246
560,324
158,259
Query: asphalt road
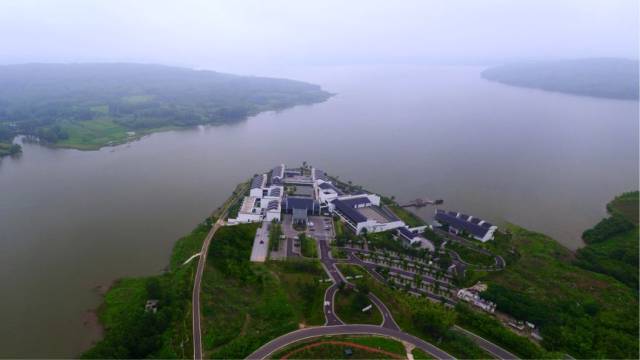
486,345
292,337
195,296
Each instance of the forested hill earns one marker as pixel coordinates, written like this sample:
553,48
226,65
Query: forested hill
89,105
603,77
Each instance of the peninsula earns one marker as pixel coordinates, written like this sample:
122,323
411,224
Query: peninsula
603,77
300,264
87,106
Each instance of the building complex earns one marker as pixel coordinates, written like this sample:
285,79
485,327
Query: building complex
304,191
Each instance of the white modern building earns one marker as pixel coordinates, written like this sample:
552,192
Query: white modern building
363,212
264,202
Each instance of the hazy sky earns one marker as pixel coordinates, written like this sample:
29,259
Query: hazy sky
224,34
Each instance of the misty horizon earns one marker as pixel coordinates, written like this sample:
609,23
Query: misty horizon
251,36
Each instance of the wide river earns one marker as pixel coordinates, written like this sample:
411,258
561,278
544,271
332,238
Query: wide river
72,221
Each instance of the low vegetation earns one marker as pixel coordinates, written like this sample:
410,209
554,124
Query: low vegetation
612,245
349,304
246,305
275,231
9,149
490,328
583,313
132,332
409,218
308,246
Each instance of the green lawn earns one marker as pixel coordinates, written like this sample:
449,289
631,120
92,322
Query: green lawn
349,304
420,355
325,350
300,281
409,218
308,246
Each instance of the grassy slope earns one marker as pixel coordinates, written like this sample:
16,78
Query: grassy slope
245,305
349,308
581,312
409,218
471,256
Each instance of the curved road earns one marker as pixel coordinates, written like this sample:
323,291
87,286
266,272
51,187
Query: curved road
195,296
269,348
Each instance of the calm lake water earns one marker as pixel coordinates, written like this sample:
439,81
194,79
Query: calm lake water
71,221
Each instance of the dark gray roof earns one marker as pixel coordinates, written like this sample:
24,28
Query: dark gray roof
349,211
300,203
273,205
486,225
406,233
354,202
475,220
470,227
256,182
274,192
464,216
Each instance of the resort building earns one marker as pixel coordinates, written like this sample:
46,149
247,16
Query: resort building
462,224
364,213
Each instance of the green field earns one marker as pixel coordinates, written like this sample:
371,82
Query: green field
93,134
322,348
349,304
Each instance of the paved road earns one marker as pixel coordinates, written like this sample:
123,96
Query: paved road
330,266
486,345
195,297
292,337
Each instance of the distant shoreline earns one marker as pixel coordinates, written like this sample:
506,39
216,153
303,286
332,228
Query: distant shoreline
615,79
